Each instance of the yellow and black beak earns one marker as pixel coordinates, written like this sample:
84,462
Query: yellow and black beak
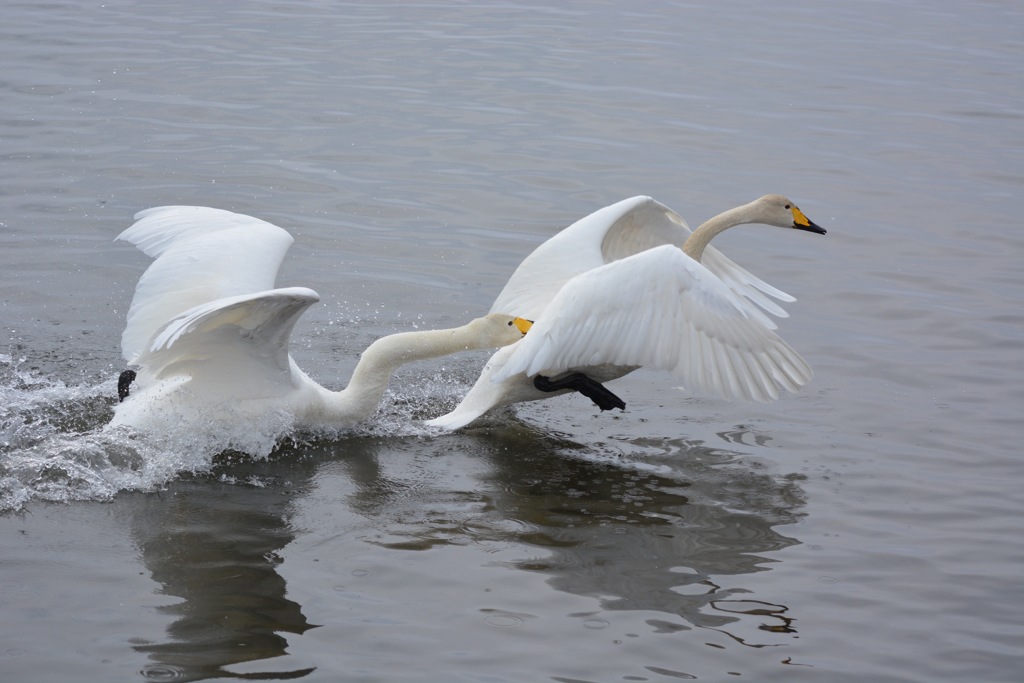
802,222
523,325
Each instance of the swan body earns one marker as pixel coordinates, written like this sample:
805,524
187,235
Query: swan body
209,333
629,286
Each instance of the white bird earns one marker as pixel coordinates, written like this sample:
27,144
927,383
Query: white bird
208,334
614,291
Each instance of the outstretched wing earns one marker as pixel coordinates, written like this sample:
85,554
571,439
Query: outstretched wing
202,255
577,249
615,232
662,309
238,343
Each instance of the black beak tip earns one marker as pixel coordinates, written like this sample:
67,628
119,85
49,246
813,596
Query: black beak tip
812,227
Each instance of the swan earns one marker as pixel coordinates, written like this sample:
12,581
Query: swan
614,291
207,332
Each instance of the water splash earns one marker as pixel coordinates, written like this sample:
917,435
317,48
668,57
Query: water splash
55,445
42,450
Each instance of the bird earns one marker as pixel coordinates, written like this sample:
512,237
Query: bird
207,332
631,286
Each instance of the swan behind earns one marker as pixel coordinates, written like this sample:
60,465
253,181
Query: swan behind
208,333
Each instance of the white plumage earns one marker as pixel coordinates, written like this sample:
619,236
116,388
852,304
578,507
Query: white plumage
201,254
209,334
614,291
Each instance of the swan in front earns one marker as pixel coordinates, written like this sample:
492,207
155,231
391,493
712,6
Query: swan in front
630,286
207,334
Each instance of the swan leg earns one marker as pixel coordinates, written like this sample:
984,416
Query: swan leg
577,381
124,381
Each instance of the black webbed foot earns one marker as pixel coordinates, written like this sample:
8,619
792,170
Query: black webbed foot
577,381
123,382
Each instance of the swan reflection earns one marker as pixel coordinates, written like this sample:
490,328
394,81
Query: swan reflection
636,535
664,528
214,548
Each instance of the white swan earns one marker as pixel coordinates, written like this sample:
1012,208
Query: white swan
208,334
613,292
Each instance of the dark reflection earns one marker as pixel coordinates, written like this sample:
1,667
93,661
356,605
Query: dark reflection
660,531
638,536
651,541
215,544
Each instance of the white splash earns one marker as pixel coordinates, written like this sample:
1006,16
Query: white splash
55,445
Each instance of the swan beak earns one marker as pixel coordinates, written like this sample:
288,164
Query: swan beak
523,325
802,222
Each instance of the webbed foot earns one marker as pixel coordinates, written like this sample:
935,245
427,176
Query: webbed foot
577,381
124,381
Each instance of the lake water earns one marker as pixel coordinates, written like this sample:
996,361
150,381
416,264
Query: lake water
865,529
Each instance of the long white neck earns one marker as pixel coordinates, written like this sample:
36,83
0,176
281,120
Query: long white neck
699,239
360,398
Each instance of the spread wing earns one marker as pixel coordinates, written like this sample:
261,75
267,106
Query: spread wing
202,255
615,232
661,309
237,343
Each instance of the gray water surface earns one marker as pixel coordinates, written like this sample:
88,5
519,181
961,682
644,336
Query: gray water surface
866,528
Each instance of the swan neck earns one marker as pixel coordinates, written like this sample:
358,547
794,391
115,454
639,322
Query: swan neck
380,360
702,236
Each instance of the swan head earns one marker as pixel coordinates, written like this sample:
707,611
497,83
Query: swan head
498,329
774,209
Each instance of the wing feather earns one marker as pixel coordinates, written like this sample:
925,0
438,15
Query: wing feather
202,254
661,309
241,340
615,232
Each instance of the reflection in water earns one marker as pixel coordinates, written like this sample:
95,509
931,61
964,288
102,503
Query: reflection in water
638,536
215,546
646,541
660,533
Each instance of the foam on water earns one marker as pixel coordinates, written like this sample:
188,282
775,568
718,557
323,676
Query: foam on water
55,444
49,444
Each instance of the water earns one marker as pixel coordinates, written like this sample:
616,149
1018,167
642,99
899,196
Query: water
865,529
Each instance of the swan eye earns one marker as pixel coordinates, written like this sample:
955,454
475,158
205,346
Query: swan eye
788,206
